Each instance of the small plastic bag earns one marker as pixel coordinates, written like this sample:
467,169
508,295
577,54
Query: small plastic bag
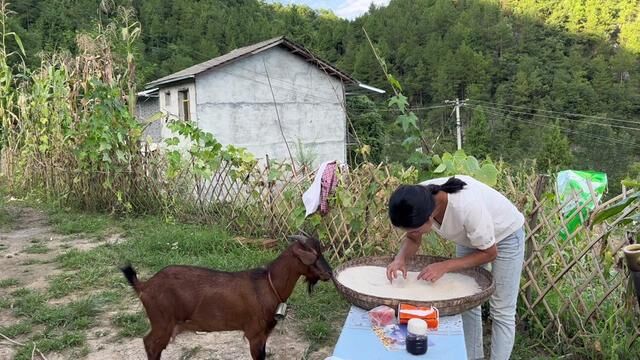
382,316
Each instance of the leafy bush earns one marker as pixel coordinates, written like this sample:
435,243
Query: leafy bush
462,164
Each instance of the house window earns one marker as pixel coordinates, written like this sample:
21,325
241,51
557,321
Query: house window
167,99
183,98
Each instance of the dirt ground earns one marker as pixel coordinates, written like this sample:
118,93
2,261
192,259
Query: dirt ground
31,227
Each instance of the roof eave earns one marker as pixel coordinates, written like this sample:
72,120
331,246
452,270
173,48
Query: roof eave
295,48
322,65
160,82
371,88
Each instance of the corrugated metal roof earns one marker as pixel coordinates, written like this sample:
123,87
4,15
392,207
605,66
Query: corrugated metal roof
240,53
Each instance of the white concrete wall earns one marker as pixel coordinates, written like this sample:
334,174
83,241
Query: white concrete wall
146,107
173,111
235,104
172,108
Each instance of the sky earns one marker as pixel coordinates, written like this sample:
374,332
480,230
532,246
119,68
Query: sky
348,9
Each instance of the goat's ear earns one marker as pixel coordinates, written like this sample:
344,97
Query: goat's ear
307,257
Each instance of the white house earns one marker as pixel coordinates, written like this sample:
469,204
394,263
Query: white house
258,97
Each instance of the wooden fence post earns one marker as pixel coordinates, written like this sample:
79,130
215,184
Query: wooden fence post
541,184
270,224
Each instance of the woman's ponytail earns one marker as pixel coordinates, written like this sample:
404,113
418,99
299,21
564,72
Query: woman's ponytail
452,186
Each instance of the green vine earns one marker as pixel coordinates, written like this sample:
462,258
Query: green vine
202,153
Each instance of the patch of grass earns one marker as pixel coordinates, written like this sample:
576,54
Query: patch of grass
30,262
49,342
5,283
28,302
109,297
77,315
87,279
321,314
14,330
102,256
528,348
64,324
153,244
67,223
5,303
7,218
188,354
37,248
132,325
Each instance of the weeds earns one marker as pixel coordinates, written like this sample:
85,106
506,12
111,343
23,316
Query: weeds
5,283
38,248
132,325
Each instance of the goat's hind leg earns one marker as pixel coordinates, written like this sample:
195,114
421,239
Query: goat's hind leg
156,341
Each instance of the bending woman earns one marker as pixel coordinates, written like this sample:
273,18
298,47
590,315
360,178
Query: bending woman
486,227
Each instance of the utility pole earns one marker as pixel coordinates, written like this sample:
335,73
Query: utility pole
458,104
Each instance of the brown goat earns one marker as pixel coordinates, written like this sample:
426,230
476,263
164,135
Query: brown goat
188,298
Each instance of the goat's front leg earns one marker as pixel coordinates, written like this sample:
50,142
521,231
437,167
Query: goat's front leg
258,345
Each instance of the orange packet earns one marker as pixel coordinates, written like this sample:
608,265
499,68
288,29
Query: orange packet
429,314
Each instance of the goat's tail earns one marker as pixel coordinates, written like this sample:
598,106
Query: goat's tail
131,276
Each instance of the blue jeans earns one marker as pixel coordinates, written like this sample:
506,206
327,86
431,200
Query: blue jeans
506,269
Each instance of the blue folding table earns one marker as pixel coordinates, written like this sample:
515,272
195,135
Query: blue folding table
358,341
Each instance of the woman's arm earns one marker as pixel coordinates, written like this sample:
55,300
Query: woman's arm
409,248
435,271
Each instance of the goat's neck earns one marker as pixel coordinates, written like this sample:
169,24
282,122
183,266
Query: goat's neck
285,272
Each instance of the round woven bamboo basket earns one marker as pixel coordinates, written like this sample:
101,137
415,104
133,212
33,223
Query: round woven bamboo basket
445,307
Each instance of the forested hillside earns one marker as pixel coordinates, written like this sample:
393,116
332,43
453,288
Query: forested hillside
527,67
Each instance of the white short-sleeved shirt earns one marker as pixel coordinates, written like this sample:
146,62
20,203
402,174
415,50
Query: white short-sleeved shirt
477,216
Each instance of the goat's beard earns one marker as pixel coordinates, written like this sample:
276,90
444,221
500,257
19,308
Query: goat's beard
311,283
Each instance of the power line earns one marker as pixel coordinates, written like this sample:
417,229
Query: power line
563,118
560,112
419,108
605,139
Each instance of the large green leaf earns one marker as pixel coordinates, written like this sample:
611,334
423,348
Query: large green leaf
407,121
488,174
459,156
440,169
471,165
18,41
631,183
614,209
635,218
410,142
400,101
395,83
449,165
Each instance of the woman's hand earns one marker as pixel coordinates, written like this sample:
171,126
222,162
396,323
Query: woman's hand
433,272
395,266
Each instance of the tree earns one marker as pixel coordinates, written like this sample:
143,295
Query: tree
478,135
555,152
369,127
